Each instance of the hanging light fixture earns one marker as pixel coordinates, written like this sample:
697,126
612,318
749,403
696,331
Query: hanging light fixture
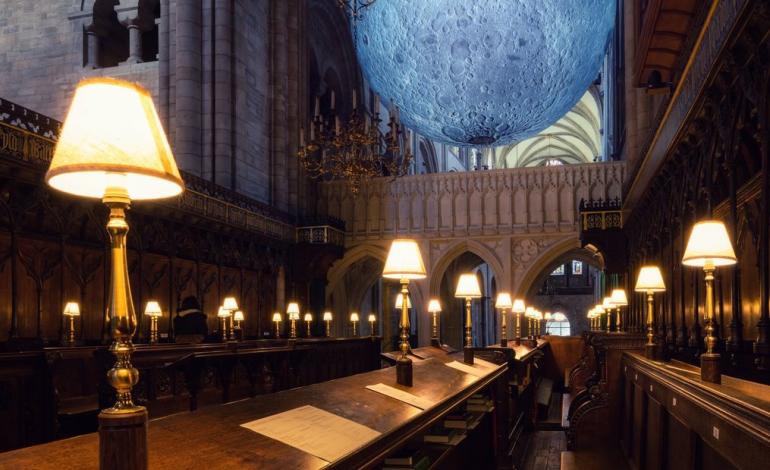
357,148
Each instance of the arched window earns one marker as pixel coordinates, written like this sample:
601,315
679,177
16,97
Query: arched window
557,328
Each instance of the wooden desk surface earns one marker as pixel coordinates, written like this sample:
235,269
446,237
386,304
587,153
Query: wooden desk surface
213,438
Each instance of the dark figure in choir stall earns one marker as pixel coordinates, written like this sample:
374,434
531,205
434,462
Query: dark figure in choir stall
190,323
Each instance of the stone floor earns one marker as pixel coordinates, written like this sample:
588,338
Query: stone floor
545,450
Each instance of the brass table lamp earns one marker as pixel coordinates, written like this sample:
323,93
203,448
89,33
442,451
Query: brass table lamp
71,310
607,305
404,263
308,320
468,289
223,314
650,281
503,302
434,307
292,311
328,320
709,247
518,309
238,318
112,147
277,321
354,320
372,319
153,311
231,305
618,299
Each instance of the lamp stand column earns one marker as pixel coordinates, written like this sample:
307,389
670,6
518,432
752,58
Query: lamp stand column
224,329
618,326
404,363
468,350
434,331
71,340
710,360
293,329
517,339
153,329
307,330
649,347
277,330
122,427
328,328
503,331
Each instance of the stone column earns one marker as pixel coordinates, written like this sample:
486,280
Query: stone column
188,86
224,164
92,42
134,44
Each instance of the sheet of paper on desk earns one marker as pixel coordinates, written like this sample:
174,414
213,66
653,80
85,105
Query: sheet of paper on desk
468,369
406,397
314,431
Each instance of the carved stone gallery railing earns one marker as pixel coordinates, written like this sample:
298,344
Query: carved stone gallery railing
526,200
31,137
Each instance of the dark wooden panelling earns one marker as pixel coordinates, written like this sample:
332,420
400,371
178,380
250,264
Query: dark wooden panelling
639,427
680,449
655,435
686,424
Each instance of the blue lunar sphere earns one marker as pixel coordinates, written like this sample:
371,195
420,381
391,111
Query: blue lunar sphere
483,72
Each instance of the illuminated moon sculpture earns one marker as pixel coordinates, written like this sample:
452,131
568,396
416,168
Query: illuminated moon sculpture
483,72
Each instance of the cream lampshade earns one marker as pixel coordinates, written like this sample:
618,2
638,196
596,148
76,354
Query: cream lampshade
223,312
434,306
238,315
518,306
468,287
71,309
529,311
152,309
354,316
404,261
308,317
400,301
560,317
112,136
607,303
504,300
618,298
372,317
292,310
650,280
599,309
548,316
709,244
230,304
327,316
276,317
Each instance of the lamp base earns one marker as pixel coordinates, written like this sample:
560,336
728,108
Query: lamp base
650,351
468,355
710,368
123,440
503,342
404,372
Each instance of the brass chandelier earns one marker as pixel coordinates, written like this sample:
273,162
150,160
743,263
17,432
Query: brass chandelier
358,150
